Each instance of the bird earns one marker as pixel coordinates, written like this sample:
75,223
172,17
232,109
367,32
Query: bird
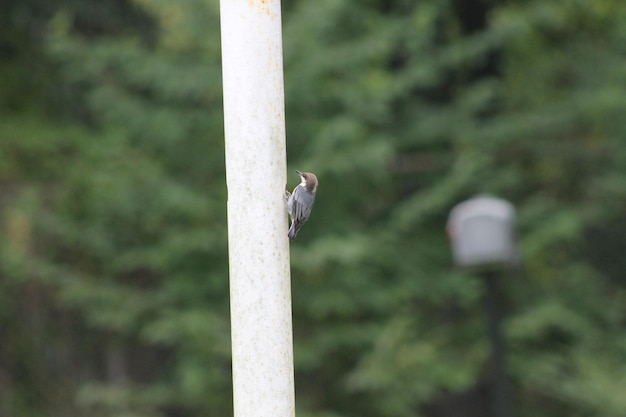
300,202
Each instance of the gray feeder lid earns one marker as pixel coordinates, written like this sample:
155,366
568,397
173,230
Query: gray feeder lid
482,232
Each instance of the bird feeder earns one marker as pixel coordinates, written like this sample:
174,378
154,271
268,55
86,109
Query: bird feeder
481,230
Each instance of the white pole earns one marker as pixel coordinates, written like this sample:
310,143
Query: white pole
260,292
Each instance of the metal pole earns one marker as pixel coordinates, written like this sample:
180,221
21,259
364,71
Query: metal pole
499,391
260,293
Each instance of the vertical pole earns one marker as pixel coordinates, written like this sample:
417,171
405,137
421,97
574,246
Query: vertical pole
260,293
499,392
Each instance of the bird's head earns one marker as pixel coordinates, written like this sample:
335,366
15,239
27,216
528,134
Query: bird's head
309,181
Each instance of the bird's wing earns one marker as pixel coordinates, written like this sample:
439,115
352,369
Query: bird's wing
302,203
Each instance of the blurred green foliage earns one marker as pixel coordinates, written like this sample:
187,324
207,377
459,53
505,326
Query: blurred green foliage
113,254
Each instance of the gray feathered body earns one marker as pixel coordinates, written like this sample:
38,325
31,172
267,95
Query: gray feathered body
299,204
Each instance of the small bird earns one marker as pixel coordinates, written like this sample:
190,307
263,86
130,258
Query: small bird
300,202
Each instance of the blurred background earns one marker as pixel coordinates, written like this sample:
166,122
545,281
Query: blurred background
113,243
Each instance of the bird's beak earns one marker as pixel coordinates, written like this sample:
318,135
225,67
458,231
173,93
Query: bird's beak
298,172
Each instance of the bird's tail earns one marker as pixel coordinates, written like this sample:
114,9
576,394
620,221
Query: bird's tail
293,231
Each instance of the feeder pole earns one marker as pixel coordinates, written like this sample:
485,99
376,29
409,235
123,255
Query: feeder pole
260,292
